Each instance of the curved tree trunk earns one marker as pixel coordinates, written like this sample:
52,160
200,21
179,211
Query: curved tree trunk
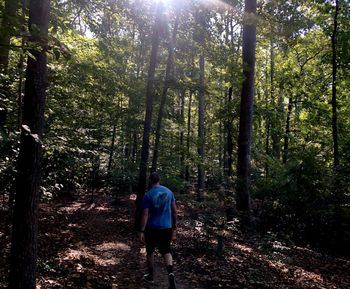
25,218
246,110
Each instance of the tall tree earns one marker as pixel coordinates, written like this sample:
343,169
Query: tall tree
167,82
200,36
25,219
201,132
157,28
246,109
229,143
188,138
334,87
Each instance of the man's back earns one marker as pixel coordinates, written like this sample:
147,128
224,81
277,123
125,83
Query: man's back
159,200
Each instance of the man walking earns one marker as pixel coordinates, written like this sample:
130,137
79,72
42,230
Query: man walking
158,226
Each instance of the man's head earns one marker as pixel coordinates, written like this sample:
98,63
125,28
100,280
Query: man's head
154,179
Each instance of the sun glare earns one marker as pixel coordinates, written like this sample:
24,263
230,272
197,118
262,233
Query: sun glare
209,3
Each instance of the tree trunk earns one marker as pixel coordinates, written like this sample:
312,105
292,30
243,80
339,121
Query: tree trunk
229,141
188,140
334,88
21,74
167,82
6,31
246,110
201,133
267,129
275,132
111,151
182,137
287,131
149,109
339,234
25,219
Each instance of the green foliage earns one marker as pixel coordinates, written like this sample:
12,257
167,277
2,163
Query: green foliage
297,201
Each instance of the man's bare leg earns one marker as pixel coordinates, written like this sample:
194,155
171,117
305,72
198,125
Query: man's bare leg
169,266
168,259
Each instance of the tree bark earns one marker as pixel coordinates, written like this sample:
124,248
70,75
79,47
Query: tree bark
182,135
267,129
334,88
287,131
149,109
167,82
188,139
6,32
246,110
339,233
201,133
275,131
25,218
111,150
229,142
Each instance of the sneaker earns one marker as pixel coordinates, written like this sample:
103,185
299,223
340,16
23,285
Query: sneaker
148,278
172,283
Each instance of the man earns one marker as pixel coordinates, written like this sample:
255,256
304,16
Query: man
158,226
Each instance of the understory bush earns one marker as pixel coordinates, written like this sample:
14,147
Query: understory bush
298,201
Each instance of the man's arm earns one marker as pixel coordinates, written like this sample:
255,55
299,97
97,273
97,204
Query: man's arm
144,219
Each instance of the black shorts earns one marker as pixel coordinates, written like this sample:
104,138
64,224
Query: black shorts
158,238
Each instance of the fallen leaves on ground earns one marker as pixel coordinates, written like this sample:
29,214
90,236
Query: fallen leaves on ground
83,245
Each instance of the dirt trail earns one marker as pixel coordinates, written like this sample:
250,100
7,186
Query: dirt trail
93,246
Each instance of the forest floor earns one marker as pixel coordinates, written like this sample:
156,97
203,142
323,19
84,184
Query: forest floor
84,245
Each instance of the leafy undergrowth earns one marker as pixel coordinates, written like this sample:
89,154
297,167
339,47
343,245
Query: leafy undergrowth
93,246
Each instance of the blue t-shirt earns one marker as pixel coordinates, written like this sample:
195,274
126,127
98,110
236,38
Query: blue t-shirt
158,200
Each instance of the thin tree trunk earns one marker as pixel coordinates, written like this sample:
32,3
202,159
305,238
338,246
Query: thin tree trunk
182,137
25,218
267,134
149,109
11,7
20,91
21,72
339,235
287,131
188,140
246,111
223,143
134,147
334,88
201,133
229,136
275,133
111,150
167,82
267,122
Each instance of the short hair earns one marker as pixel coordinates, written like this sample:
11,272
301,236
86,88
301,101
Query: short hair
154,178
